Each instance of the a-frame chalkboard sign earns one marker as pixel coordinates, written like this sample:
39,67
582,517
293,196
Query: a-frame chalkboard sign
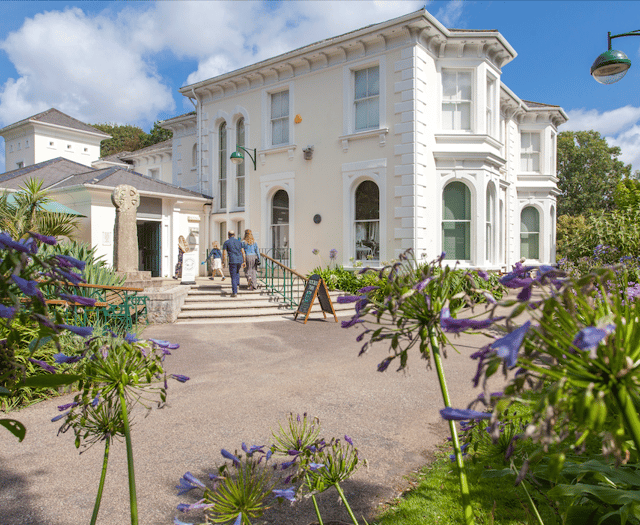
315,288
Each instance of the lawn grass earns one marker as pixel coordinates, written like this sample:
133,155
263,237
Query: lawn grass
435,498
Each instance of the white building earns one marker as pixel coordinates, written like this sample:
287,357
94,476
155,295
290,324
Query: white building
49,135
398,135
76,177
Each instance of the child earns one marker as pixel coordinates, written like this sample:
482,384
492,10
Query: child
216,255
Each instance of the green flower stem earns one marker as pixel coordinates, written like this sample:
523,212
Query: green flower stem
133,500
346,504
533,505
313,498
629,413
462,473
96,507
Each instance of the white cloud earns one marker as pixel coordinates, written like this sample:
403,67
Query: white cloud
607,123
451,14
84,66
620,127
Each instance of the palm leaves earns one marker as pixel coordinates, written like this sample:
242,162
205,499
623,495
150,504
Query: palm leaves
26,213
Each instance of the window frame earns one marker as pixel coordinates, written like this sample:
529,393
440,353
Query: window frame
240,168
466,221
531,234
357,221
285,119
491,110
456,101
348,95
222,165
365,99
530,154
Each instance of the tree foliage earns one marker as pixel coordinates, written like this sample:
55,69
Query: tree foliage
588,172
627,194
26,213
130,138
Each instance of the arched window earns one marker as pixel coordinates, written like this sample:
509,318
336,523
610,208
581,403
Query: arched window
280,225
367,221
456,222
240,167
222,166
490,224
530,233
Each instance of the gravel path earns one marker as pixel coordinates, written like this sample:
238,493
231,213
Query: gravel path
245,379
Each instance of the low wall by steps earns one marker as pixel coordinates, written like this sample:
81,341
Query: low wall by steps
164,305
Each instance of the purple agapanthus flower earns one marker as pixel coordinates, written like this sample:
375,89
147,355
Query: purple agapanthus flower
287,464
84,331
483,275
180,378
198,505
62,358
189,482
72,277
29,288
384,364
7,312
462,414
130,338
42,364
333,253
66,261
47,239
316,466
351,322
449,324
86,301
238,519
228,455
289,493
160,343
348,440
343,299
422,284
62,408
60,416
7,243
589,338
253,449
507,347
367,289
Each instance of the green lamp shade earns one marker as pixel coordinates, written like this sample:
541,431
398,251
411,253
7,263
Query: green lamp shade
610,66
237,157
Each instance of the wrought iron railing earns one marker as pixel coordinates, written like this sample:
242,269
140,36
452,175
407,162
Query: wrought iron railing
279,279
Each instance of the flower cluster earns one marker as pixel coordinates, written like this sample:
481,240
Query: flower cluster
245,485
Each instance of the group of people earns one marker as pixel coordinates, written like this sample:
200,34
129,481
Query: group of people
240,254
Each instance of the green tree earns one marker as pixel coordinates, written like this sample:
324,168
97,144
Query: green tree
588,172
130,138
157,134
123,138
26,213
627,194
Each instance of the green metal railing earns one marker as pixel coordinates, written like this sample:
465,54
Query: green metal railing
279,279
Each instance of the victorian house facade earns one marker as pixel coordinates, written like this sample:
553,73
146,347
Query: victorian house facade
398,135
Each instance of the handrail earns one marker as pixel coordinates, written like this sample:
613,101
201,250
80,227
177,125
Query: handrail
286,268
281,280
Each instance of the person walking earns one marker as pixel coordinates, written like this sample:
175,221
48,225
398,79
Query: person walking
252,254
216,260
183,248
232,248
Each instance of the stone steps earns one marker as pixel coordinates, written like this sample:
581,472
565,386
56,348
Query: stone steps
211,302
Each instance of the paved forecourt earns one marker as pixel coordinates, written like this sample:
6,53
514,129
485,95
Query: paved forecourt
245,379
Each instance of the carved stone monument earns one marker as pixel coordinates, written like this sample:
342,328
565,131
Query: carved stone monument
126,199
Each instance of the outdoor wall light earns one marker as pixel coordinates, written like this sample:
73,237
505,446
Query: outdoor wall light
308,153
238,158
612,65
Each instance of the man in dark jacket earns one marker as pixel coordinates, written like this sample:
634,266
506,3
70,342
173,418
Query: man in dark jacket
232,247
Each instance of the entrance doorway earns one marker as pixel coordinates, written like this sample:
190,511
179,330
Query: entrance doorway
149,247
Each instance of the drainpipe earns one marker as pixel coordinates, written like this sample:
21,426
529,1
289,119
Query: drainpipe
198,108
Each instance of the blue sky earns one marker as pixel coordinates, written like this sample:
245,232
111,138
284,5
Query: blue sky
123,62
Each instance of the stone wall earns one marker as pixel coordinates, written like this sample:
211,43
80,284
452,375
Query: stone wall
163,306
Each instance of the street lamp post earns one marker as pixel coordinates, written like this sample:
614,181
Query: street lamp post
612,65
238,158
